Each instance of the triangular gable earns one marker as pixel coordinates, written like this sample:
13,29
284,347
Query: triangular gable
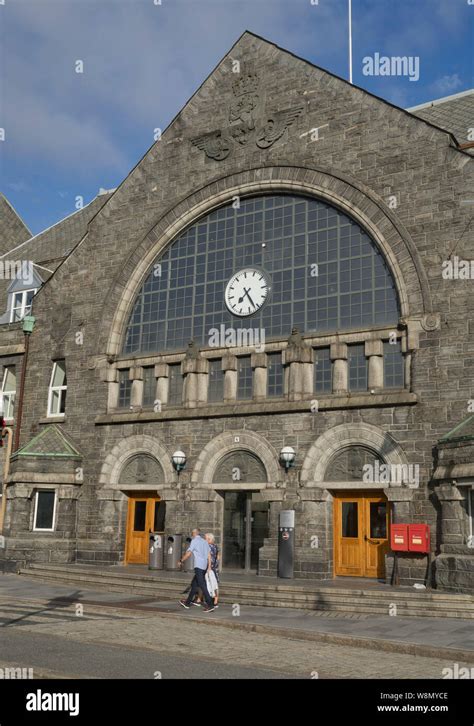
51,442
190,110
22,283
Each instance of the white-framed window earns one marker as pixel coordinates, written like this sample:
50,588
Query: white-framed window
469,495
45,510
8,392
57,389
21,304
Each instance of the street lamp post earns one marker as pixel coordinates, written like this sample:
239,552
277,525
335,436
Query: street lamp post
28,325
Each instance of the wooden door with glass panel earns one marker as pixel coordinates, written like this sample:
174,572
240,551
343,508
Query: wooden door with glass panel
145,515
360,534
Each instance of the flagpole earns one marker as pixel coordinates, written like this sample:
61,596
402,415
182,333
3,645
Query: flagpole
350,41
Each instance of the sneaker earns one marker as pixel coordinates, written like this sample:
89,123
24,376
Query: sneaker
184,604
216,606
208,609
196,604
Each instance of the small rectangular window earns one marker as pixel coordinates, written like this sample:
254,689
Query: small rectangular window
393,365
215,390
350,524
149,386
45,508
244,378
175,385
57,389
357,368
21,304
9,392
275,378
322,371
125,389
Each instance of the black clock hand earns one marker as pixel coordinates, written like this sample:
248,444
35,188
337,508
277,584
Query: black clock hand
246,293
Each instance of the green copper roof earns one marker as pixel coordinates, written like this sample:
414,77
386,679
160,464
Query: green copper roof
462,432
51,442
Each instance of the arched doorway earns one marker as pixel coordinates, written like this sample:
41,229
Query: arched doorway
140,479
360,517
239,478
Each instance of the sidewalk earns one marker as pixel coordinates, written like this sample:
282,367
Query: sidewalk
433,637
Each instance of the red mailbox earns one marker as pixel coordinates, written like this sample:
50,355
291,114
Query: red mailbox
399,537
419,538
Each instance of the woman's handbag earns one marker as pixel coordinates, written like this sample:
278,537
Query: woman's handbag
211,583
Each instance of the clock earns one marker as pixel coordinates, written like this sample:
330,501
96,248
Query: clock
246,292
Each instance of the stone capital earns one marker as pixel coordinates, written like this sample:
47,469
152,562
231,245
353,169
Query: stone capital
135,373
373,347
258,360
448,493
194,365
161,370
338,351
398,494
229,362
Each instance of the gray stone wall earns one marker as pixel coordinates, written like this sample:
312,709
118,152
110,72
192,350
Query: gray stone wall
368,152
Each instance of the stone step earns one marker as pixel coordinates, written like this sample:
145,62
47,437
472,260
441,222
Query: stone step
286,595
163,576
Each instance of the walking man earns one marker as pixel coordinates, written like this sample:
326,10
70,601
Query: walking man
201,551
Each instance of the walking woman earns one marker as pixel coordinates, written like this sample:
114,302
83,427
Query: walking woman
215,561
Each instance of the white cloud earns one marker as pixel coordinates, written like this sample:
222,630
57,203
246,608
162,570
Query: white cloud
141,64
447,84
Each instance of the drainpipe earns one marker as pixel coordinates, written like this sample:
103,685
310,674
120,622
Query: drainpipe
7,431
28,325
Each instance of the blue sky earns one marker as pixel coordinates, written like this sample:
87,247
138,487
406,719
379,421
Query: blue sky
68,134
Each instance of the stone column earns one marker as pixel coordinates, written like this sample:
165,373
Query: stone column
161,375
400,499
111,377
136,396
195,370
407,363
259,366
299,360
229,366
374,352
452,515
340,369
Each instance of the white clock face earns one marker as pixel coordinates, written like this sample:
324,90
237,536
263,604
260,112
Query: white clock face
246,292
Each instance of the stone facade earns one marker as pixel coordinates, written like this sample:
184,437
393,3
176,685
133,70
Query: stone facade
240,135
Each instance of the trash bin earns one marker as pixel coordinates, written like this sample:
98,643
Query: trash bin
156,551
173,551
188,565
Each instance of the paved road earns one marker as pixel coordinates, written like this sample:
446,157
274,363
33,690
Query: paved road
94,641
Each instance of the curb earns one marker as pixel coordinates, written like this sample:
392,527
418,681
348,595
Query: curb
388,646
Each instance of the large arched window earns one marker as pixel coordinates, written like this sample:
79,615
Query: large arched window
324,271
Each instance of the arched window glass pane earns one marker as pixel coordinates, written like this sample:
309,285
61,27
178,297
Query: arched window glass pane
325,273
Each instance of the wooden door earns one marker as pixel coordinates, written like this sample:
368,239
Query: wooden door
375,535
141,519
360,534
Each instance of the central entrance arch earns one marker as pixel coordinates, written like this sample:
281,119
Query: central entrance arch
238,479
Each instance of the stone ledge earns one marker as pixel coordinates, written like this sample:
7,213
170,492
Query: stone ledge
333,402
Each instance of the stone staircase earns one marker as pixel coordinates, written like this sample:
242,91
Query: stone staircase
245,590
